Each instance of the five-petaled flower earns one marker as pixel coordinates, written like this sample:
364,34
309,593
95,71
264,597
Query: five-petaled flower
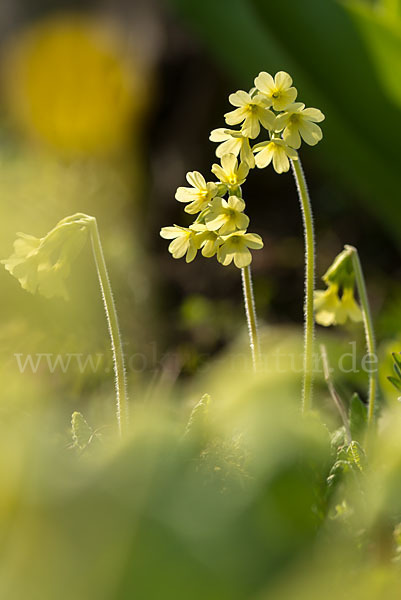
235,247
229,172
233,142
199,195
275,150
185,241
278,91
227,215
251,111
300,122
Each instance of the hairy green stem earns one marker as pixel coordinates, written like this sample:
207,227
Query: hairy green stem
114,330
309,325
369,331
251,316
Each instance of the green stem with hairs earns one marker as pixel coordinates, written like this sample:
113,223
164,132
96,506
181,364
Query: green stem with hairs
309,325
114,330
369,331
251,316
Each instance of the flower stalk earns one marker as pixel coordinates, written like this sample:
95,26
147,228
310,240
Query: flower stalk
113,327
251,316
309,325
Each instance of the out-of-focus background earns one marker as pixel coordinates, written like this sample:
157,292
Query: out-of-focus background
104,107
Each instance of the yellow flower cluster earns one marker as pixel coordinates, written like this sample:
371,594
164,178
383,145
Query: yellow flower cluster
221,225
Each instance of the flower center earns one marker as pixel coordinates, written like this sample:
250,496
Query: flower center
276,94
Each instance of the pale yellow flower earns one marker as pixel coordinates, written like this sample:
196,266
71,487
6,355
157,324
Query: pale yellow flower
185,241
251,112
275,150
233,142
348,308
227,215
236,246
199,195
43,264
300,122
229,172
326,304
209,241
278,91
331,310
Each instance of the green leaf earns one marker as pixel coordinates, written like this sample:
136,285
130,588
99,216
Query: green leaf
358,417
396,382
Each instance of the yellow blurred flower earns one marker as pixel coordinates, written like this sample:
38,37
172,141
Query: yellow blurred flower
70,85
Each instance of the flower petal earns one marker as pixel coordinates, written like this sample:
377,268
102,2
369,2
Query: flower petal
264,82
281,163
242,258
313,114
253,240
240,98
230,146
310,132
251,126
197,180
219,135
236,116
283,80
267,118
291,136
185,194
236,203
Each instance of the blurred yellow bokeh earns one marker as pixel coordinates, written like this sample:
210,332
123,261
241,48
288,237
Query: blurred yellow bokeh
70,82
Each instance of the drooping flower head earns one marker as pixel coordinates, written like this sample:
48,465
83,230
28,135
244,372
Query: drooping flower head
336,305
43,264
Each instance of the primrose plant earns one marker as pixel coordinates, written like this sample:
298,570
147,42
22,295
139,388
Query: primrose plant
221,225
43,265
337,304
